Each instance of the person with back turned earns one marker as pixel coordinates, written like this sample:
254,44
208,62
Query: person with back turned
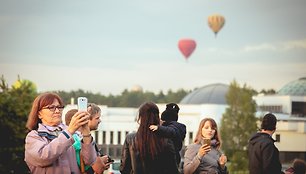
263,154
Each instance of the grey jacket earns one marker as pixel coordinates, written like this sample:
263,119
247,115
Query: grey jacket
207,165
45,152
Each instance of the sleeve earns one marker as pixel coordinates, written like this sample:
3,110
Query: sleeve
41,152
168,132
126,164
89,153
191,160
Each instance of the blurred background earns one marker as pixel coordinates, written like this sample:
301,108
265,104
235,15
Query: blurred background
121,53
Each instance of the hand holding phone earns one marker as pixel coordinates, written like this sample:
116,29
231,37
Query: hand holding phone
82,103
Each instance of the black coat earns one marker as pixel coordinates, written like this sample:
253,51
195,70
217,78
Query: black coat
176,132
263,155
165,163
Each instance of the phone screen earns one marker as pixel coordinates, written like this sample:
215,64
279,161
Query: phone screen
82,103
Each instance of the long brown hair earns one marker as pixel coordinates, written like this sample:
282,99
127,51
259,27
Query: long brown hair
39,102
217,136
147,142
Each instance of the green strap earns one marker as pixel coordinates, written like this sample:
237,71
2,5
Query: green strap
77,146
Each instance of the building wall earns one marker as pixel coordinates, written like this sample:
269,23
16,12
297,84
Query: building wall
292,136
117,122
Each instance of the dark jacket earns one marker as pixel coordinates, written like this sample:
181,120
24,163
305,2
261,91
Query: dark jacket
176,132
263,155
165,163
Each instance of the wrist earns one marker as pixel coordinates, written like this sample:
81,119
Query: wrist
86,135
198,157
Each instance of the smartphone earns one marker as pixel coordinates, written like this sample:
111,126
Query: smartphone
82,103
206,141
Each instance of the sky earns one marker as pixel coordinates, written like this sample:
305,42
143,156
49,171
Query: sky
107,46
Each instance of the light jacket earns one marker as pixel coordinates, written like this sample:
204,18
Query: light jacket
45,152
208,164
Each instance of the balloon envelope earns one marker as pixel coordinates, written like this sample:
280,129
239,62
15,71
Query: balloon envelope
216,22
186,47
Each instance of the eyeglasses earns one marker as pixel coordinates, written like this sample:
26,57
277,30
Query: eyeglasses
52,108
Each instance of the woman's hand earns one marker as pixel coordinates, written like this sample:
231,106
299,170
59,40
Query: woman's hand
78,119
204,149
222,160
153,127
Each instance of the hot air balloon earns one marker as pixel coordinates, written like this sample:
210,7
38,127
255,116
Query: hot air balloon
216,22
186,47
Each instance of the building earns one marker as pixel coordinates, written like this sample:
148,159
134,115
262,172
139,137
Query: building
288,104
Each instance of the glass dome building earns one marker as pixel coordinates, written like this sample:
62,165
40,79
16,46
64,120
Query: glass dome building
294,88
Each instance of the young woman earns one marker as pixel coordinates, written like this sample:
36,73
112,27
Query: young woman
145,152
204,156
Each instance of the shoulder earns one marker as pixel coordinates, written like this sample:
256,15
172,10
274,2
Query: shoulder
193,146
32,133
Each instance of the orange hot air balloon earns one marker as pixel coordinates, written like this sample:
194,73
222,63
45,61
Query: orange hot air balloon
216,22
186,47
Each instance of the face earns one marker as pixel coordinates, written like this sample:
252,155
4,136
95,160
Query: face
51,118
207,130
94,122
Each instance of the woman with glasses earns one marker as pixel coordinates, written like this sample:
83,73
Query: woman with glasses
48,145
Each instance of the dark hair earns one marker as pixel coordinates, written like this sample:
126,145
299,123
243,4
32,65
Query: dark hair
69,115
299,166
147,142
269,122
171,112
217,136
39,102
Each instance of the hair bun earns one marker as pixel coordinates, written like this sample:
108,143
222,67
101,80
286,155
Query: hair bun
173,106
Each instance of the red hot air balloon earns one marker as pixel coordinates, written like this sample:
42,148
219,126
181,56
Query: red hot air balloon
186,47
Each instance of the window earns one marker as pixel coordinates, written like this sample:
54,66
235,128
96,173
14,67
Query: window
190,137
111,137
277,137
104,137
119,137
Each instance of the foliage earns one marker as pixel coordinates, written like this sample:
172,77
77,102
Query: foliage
15,104
268,91
237,125
126,98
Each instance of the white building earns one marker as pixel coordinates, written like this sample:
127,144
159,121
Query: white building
209,101
289,106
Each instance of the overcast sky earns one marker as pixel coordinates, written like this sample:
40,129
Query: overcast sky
107,46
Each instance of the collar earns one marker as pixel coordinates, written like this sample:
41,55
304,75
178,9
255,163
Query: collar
59,127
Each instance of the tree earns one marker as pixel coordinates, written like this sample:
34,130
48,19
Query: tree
15,105
237,125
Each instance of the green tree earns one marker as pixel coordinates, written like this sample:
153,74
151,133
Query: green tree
237,125
15,104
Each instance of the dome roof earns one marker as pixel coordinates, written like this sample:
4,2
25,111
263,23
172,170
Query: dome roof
294,88
212,94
